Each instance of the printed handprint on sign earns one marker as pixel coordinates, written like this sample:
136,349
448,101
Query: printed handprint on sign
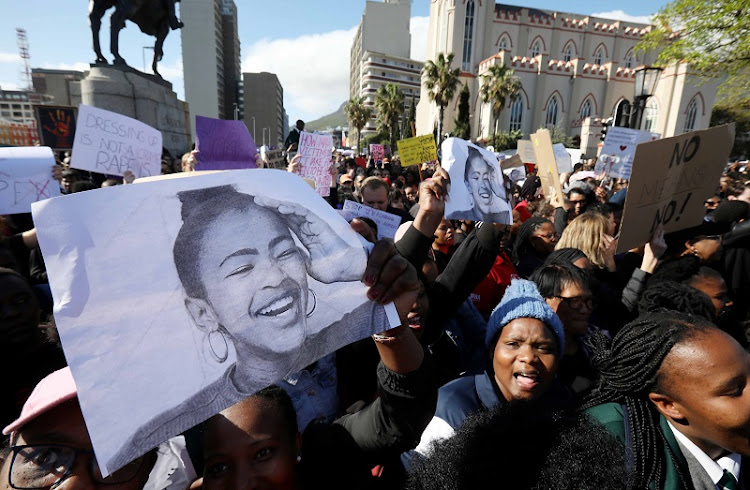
60,124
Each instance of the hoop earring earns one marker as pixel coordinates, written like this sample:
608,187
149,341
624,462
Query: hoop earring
310,311
225,351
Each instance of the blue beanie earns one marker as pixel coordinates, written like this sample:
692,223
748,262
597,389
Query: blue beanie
522,300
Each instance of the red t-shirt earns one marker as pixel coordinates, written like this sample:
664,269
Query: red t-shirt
490,291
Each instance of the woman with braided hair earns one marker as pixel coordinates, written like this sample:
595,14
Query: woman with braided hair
674,389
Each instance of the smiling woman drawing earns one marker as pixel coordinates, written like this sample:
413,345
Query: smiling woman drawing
244,263
486,190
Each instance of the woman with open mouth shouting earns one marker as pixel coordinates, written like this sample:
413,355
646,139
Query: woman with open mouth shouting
526,340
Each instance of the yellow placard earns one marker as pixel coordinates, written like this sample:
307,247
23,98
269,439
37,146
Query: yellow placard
414,151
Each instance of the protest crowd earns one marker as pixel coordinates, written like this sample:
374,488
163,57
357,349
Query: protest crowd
531,354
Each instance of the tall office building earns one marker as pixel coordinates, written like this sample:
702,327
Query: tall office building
211,58
380,55
264,108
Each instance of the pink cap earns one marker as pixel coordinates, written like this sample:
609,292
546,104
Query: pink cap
53,390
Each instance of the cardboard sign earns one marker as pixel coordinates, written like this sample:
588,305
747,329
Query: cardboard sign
387,223
315,160
236,280
513,168
562,158
526,151
420,149
57,126
275,159
377,152
618,150
110,143
223,145
477,191
546,162
671,180
26,177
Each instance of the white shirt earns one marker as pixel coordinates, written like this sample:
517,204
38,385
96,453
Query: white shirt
715,469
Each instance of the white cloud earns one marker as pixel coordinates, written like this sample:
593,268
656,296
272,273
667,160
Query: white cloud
621,15
173,73
80,66
9,58
10,86
418,28
313,70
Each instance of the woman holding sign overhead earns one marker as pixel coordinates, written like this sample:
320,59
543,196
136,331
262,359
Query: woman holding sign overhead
247,265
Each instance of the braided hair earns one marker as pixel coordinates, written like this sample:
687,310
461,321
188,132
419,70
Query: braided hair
522,245
628,370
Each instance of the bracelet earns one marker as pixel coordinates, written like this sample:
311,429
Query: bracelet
387,339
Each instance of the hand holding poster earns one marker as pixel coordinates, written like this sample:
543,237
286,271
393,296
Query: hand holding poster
377,152
249,275
387,223
414,151
546,162
618,150
223,144
26,177
670,181
110,143
477,191
315,160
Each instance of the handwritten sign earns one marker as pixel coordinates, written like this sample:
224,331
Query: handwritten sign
57,125
414,151
275,159
26,177
618,150
546,162
387,223
377,152
315,160
526,151
670,181
223,145
110,143
513,168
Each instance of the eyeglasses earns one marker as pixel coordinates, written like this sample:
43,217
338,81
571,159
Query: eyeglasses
578,302
36,467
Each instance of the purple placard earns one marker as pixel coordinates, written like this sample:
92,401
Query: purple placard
223,145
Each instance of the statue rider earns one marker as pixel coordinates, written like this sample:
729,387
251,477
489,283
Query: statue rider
174,22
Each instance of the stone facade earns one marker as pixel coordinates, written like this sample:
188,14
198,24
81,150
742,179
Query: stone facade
576,71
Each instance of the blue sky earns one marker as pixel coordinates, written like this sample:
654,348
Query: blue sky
275,35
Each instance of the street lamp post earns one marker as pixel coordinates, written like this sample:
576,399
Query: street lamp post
264,136
646,78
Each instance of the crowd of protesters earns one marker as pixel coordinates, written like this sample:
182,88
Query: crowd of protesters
533,356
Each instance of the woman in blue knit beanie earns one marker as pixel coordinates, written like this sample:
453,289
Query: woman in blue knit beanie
525,340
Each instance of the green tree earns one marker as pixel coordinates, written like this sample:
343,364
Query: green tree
499,84
409,119
738,113
714,37
506,141
462,124
441,82
358,114
389,101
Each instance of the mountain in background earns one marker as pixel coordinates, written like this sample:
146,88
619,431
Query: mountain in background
332,120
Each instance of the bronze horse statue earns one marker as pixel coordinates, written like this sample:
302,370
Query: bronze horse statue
154,17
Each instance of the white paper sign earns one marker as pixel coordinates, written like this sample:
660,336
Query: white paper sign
26,177
477,190
233,281
315,159
110,143
562,158
618,150
387,223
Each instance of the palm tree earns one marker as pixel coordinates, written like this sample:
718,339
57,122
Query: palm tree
441,82
389,101
358,114
499,84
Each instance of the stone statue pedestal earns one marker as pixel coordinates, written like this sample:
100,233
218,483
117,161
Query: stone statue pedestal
142,96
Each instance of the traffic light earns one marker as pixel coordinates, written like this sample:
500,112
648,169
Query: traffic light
605,127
